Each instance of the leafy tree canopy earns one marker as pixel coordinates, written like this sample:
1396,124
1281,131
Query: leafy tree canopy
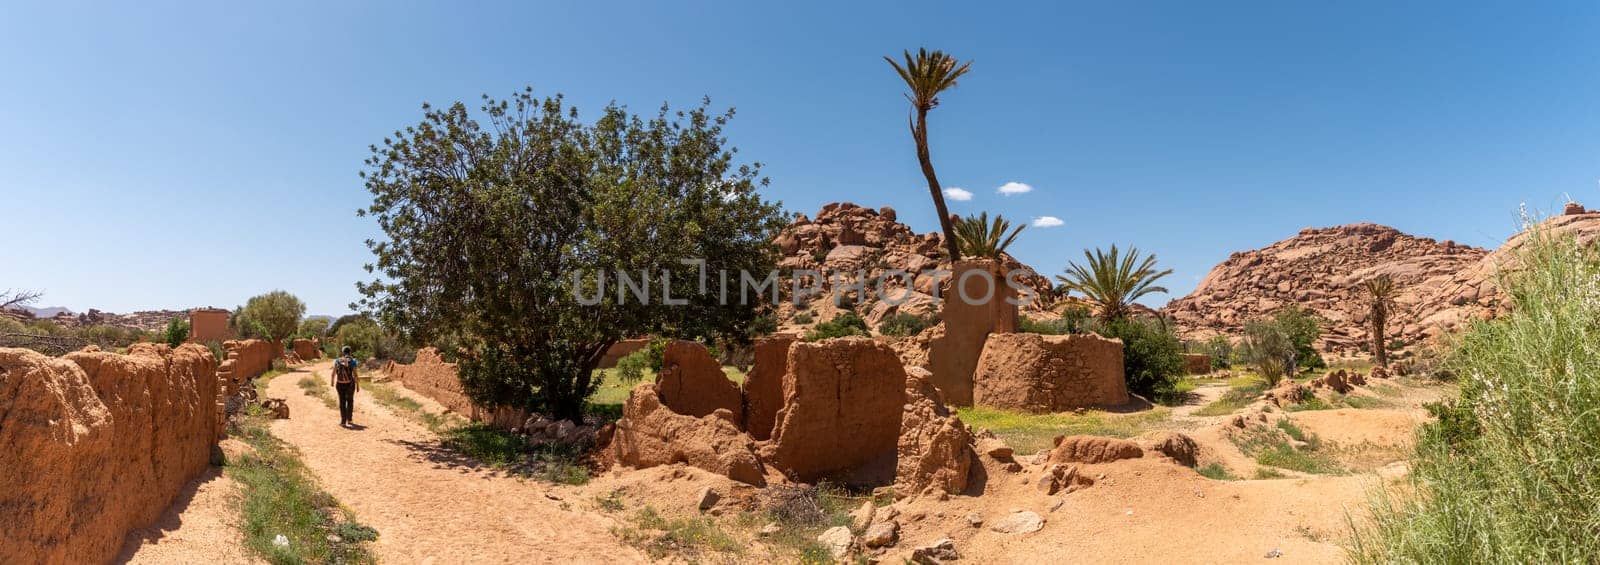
271,316
495,230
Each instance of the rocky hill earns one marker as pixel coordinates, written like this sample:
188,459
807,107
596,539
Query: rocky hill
148,320
1442,285
1320,269
846,238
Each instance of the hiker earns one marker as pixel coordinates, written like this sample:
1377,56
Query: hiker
345,381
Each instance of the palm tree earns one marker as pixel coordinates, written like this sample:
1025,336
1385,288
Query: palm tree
1381,292
1112,281
927,74
978,237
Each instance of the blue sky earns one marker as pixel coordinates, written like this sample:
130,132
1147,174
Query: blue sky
159,155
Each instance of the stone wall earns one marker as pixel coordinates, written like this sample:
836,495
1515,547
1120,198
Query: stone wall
209,324
95,444
1050,373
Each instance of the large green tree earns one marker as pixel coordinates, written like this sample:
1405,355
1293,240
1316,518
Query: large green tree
509,235
928,74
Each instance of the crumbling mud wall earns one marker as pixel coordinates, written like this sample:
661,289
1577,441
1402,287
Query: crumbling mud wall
842,400
953,356
430,376
1196,363
763,385
307,349
95,444
247,359
1050,373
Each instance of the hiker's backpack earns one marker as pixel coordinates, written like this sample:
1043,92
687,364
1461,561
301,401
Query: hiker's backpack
344,369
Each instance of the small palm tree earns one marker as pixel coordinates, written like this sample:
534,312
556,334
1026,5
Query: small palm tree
1381,292
928,74
1112,281
978,237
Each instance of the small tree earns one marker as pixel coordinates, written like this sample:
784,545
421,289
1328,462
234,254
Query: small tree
176,333
312,328
512,235
1380,301
1113,281
1303,328
1267,348
1152,357
978,237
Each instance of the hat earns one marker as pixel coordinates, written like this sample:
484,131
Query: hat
345,351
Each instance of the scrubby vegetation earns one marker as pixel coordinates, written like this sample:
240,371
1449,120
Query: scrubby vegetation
1508,472
1281,345
904,324
1028,433
843,325
1152,357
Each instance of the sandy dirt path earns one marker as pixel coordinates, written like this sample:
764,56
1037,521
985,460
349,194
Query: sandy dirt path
201,526
428,504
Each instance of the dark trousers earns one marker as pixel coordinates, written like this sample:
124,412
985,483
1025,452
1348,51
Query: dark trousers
347,400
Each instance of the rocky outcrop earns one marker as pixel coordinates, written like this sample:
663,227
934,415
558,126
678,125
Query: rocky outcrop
692,382
1321,269
842,400
845,238
95,444
650,434
1050,373
935,449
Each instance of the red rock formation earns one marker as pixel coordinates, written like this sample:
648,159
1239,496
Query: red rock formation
1050,373
692,382
1320,269
1093,449
841,407
95,444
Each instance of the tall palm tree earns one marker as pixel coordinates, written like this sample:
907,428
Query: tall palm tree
1381,292
1112,281
978,237
927,74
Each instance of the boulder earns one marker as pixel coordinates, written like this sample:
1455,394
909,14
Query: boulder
1058,477
935,447
881,534
1050,373
1092,449
839,542
1020,522
650,434
940,552
841,407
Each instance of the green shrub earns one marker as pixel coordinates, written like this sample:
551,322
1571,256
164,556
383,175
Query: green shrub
845,324
1051,327
1508,473
906,324
803,317
1303,327
631,367
1220,349
1152,357
1267,348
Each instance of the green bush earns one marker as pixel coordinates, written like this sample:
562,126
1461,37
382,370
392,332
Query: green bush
803,318
1152,357
1268,349
176,333
906,324
1508,473
631,367
1220,350
1303,327
1052,327
845,324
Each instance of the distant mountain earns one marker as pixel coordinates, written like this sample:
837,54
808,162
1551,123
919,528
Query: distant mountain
48,312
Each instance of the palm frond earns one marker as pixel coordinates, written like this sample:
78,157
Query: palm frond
1112,280
977,236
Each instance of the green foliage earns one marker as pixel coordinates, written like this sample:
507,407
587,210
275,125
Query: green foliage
1220,350
1241,393
272,316
631,367
978,237
1216,472
368,340
763,325
1113,281
1029,433
1267,348
1381,292
1508,473
1303,327
1152,356
311,328
1067,324
928,74
176,333
843,325
1272,447
904,324
556,206
804,317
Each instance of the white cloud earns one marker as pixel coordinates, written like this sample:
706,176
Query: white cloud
958,194
1013,187
1047,222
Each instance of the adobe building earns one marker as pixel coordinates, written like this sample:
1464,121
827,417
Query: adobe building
209,324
